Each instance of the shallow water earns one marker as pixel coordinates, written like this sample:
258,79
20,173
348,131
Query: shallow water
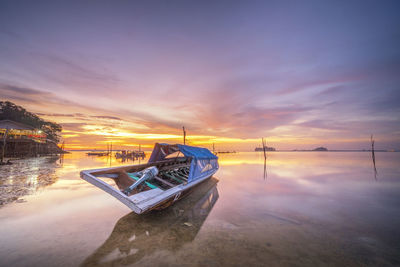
310,208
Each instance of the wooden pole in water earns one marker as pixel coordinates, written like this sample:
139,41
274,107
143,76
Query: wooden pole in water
4,145
184,135
373,154
15,149
110,153
264,144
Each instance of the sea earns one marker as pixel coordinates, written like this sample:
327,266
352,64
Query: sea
292,209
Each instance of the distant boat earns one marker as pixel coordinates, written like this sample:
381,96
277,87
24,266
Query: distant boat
123,154
225,152
266,149
170,172
97,153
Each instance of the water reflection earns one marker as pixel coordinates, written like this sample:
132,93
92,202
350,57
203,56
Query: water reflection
136,236
130,160
265,169
26,176
373,155
317,208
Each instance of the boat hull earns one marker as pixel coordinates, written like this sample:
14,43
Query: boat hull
155,199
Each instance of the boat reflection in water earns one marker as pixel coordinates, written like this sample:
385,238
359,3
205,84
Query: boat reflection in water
136,236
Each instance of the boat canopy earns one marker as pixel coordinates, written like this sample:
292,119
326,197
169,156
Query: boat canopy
203,161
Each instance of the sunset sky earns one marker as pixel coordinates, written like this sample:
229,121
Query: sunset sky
300,73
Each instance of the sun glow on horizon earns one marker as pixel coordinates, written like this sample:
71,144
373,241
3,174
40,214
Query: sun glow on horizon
98,136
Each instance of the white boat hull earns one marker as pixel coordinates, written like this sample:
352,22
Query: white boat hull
146,200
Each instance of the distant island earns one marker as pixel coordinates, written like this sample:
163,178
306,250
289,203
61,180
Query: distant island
321,148
266,149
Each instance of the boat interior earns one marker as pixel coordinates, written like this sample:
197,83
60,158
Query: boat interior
172,171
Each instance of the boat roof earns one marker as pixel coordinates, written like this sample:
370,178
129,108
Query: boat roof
161,150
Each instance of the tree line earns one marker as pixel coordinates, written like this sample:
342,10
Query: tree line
11,111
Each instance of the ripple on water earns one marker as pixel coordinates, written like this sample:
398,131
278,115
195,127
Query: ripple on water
26,176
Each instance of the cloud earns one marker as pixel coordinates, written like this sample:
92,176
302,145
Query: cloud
56,115
107,117
354,128
24,94
66,71
29,95
21,90
73,126
323,124
318,71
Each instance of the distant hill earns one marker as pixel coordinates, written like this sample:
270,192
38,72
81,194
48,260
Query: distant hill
266,149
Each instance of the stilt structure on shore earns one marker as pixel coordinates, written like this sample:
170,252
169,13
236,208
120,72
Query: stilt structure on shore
20,140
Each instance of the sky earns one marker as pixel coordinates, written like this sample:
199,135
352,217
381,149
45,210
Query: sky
302,74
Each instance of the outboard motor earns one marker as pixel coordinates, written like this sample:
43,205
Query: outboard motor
143,176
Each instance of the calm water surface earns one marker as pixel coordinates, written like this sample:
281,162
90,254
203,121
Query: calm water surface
307,209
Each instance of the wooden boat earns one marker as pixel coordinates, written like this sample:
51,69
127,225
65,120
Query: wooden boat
137,236
170,172
123,154
97,153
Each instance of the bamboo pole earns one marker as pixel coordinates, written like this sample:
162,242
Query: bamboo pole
184,135
373,154
264,144
4,145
